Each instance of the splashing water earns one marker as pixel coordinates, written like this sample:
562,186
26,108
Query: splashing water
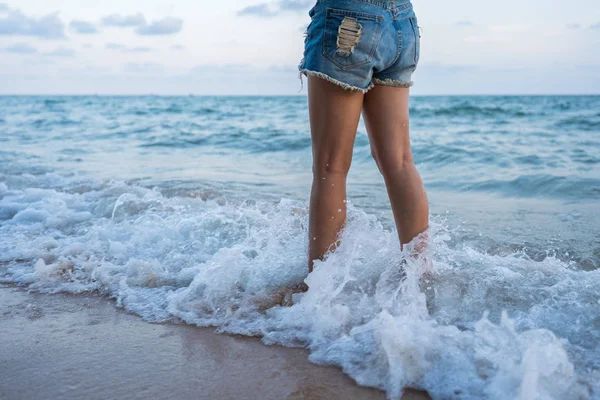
460,324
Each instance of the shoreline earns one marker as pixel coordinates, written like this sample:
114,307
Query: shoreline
81,346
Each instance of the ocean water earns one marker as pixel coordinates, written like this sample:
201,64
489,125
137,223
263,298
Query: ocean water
194,210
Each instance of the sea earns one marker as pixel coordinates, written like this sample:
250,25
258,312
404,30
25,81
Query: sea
194,210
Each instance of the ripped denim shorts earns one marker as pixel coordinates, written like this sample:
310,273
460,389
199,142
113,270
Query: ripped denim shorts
357,44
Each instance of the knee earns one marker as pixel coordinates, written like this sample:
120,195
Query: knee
391,165
330,166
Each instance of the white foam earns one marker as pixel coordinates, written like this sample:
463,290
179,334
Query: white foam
476,326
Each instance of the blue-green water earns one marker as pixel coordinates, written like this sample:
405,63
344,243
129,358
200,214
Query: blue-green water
191,208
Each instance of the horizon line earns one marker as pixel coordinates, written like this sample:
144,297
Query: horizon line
289,95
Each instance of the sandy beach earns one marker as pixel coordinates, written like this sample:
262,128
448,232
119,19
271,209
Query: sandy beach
81,346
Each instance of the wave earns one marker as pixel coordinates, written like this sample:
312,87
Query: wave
259,140
47,124
534,185
53,102
172,109
205,111
463,324
580,123
467,110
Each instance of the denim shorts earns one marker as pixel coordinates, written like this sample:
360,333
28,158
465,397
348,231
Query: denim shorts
357,44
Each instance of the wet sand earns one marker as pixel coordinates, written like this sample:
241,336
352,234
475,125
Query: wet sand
81,346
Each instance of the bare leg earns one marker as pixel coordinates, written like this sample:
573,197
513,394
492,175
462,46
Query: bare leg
385,113
334,116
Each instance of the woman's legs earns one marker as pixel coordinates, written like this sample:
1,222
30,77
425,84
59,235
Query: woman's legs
385,111
334,115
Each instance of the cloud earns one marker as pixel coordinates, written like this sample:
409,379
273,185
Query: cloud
115,46
139,49
595,26
509,28
83,27
223,69
127,49
242,79
124,21
61,52
260,10
177,47
165,26
573,26
20,48
15,23
443,79
464,23
431,79
295,5
290,69
143,67
263,9
487,39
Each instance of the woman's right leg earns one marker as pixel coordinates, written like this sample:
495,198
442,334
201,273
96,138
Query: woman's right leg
334,116
386,118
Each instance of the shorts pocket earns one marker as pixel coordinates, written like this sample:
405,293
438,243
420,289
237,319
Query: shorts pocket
350,37
415,28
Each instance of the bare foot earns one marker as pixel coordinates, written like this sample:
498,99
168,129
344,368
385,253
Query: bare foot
281,297
287,293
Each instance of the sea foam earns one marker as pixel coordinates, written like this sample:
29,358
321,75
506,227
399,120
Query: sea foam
460,323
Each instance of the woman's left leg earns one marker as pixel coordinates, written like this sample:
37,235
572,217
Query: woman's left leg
334,116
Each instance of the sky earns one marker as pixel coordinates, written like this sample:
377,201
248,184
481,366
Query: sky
253,47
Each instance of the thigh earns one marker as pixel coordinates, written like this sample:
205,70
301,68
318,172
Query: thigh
385,111
334,116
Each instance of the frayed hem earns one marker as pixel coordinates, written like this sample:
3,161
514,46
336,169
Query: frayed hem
341,84
391,82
